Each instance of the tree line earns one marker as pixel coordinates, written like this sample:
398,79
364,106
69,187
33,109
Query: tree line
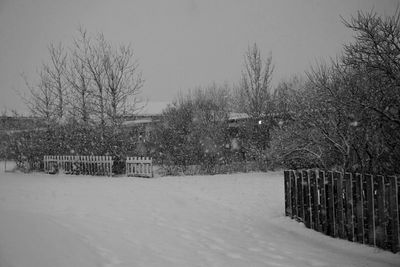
342,115
346,114
81,95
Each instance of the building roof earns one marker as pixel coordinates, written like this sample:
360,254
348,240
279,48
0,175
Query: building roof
237,116
152,108
137,122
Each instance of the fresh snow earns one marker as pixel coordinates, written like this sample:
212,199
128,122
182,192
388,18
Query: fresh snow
221,220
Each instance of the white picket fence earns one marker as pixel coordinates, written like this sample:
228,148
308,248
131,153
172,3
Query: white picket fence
89,165
139,166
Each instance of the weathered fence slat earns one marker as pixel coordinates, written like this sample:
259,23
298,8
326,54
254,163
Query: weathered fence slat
394,214
307,199
288,197
300,197
381,219
294,195
370,195
360,208
339,208
349,206
331,205
324,221
315,200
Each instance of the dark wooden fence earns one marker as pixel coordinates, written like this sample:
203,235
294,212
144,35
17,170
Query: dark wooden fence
361,208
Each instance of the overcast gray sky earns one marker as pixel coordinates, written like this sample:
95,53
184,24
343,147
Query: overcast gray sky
180,44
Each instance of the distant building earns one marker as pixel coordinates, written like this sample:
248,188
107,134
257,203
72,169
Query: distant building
14,124
145,119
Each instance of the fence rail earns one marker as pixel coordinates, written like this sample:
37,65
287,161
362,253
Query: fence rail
361,208
90,165
139,166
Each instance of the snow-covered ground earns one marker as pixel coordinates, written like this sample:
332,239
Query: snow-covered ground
223,220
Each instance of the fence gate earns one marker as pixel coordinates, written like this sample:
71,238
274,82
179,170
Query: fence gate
139,166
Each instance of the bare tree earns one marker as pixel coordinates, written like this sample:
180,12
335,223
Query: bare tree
376,51
211,103
81,89
348,115
254,91
87,90
254,97
55,73
41,98
371,75
48,97
90,56
123,80
113,73
195,130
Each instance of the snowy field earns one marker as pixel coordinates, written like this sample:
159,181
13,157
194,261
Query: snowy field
223,220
